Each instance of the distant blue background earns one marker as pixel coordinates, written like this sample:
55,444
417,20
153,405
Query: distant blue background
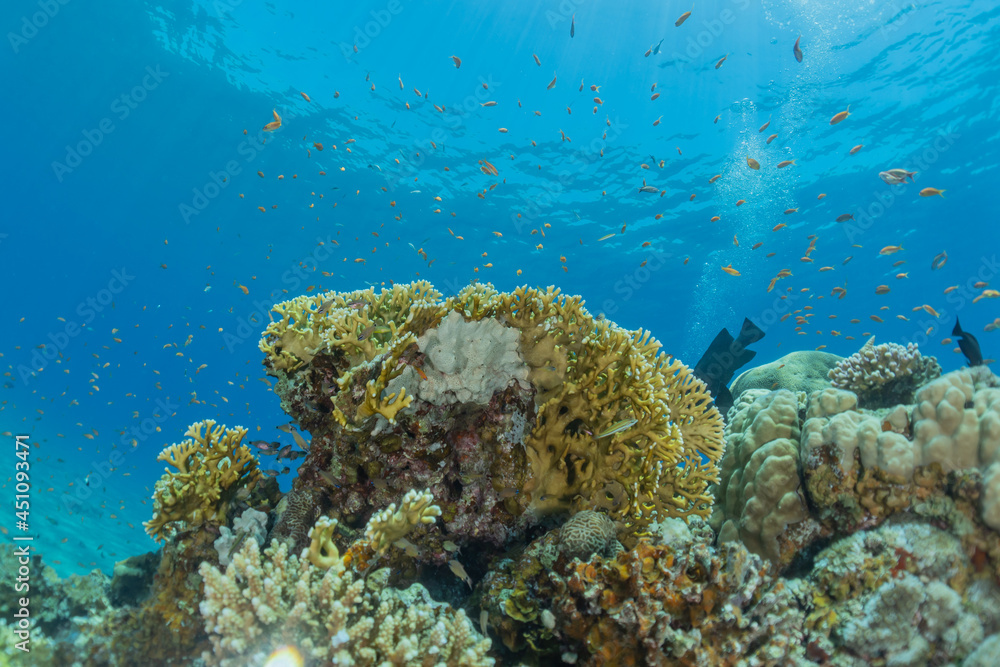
920,79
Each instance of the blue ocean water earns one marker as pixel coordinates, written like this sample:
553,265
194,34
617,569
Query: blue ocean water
139,268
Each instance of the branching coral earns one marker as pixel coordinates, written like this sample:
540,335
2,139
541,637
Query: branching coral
884,375
357,325
211,465
330,614
390,524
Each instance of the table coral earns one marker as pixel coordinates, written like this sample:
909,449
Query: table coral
211,465
510,407
885,374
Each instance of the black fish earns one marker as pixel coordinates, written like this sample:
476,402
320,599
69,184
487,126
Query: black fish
968,344
572,26
722,358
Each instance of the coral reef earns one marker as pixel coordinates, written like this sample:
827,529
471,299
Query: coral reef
318,604
901,594
905,593
513,409
838,469
685,604
211,466
570,460
55,602
802,370
884,375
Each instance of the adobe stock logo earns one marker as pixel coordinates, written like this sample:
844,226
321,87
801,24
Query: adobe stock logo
363,37
31,25
122,106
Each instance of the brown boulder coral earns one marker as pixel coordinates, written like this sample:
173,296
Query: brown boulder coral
511,407
799,470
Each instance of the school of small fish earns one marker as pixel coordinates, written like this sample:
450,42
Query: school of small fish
325,156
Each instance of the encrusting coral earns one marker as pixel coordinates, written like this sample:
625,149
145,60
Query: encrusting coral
885,374
683,603
512,408
211,465
319,603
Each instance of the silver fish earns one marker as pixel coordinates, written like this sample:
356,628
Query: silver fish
617,427
896,176
262,445
300,441
649,188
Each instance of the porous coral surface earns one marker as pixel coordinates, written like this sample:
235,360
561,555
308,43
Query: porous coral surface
885,374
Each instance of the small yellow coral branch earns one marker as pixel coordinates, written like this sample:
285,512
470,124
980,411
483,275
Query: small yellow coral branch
390,524
322,551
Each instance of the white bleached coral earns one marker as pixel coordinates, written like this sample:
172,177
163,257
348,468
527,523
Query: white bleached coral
251,522
466,361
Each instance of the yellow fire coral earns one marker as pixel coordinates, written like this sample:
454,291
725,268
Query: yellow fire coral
628,429
618,426
211,465
359,325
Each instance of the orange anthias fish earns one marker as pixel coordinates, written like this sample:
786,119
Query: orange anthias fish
275,124
930,192
841,116
684,17
890,249
730,270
